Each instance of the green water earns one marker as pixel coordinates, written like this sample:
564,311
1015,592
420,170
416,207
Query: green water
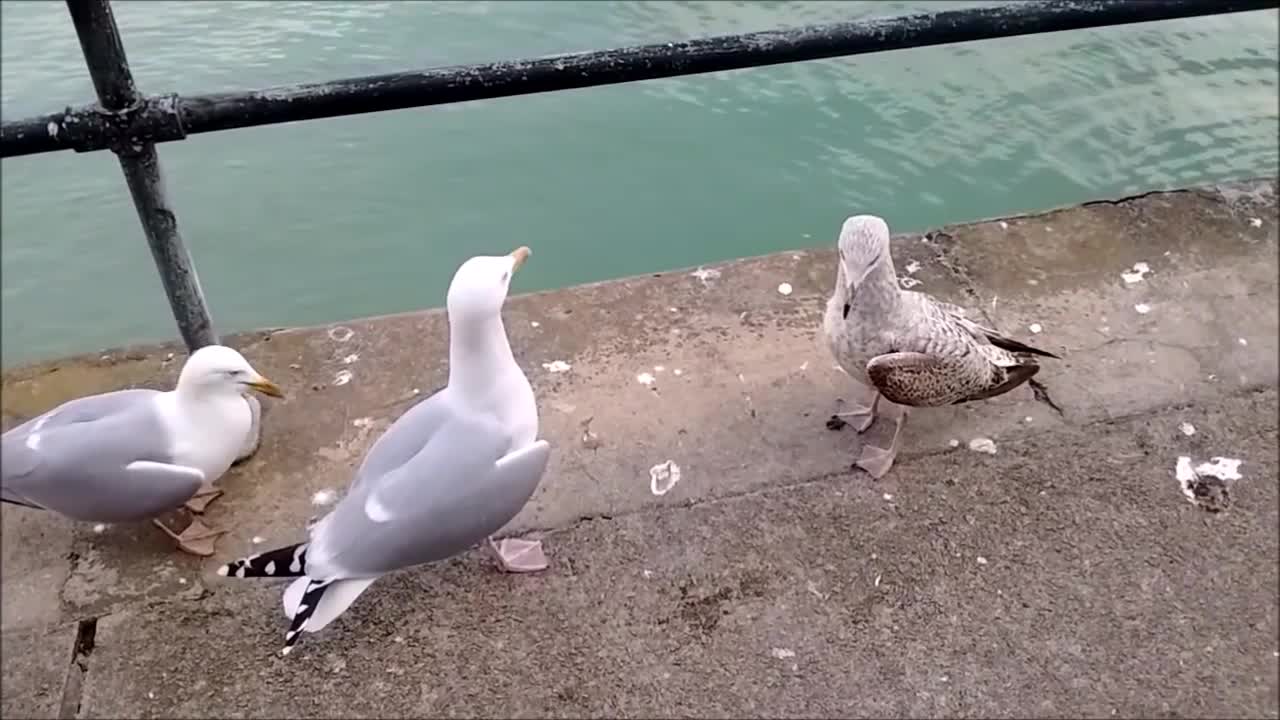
335,219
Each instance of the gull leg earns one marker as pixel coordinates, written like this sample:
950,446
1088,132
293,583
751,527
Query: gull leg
205,495
197,539
861,412
877,460
518,555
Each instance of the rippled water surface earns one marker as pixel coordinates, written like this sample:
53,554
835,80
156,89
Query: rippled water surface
333,219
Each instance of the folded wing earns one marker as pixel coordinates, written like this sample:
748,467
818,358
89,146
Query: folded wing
944,358
104,458
460,487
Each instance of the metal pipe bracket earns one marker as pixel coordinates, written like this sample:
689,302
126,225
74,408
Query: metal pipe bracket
153,119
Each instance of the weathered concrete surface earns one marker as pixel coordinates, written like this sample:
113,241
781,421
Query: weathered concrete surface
1118,584
37,665
1102,591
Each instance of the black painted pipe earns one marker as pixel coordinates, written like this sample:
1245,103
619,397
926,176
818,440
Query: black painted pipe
113,81
173,118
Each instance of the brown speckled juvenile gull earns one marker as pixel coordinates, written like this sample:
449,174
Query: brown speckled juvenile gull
906,348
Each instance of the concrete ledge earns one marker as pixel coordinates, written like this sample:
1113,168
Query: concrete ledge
1065,576
37,670
743,416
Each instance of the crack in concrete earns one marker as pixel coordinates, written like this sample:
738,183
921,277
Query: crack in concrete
727,497
77,669
1131,198
956,270
1252,389
1152,342
961,276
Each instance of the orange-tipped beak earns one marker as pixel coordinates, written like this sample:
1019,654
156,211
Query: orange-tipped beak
266,387
520,254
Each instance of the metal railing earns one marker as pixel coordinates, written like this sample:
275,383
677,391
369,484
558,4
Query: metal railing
130,124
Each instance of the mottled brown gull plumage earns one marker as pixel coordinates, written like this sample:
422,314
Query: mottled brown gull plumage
906,347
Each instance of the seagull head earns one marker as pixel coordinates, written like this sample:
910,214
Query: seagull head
479,287
217,369
864,244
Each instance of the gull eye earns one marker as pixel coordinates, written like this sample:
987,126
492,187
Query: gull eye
506,276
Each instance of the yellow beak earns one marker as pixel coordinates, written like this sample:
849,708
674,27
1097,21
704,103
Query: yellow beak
266,387
520,254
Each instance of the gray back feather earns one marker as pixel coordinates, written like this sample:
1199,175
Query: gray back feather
86,408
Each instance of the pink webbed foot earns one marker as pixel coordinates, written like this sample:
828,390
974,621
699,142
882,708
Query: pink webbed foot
876,461
861,413
198,539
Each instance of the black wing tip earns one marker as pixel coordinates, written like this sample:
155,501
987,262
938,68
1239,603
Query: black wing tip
1007,343
1016,375
306,608
288,561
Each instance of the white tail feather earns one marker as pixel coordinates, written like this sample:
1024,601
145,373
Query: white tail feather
335,601
293,596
